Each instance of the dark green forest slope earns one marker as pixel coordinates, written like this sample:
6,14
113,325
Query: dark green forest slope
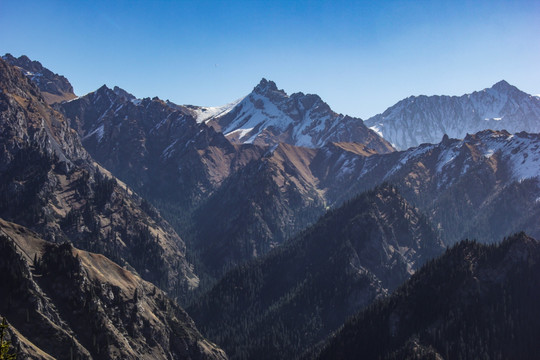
475,302
280,305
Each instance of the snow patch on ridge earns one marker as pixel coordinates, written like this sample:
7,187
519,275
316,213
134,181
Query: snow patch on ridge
447,156
168,150
525,156
408,155
257,109
377,129
206,113
521,151
240,132
98,132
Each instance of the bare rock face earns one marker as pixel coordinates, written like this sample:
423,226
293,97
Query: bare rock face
269,116
26,118
54,88
67,303
426,119
49,183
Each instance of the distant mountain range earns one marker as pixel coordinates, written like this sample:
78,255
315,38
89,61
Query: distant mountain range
168,154
485,186
273,217
173,155
425,119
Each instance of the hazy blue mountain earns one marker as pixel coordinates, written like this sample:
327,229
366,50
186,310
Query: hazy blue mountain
425,119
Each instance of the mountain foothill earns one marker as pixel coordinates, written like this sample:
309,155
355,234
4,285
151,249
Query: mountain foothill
268,228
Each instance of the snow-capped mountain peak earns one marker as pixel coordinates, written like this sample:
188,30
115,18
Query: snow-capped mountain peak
269,116
425,119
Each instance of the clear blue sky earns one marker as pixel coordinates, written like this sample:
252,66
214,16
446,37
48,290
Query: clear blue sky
359,56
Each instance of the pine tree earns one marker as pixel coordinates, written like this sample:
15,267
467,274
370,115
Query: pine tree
4,344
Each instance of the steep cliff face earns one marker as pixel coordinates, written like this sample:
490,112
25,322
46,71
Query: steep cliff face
426,119
26,118
68,303
49,183
54,88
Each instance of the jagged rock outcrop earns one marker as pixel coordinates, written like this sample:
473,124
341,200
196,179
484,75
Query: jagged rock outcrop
66,303
26,118
54,88
269,116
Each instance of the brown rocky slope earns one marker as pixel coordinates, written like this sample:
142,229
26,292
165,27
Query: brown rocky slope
66,303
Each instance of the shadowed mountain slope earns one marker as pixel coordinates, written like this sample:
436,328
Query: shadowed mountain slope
476,301
49,183
69,303
285,302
